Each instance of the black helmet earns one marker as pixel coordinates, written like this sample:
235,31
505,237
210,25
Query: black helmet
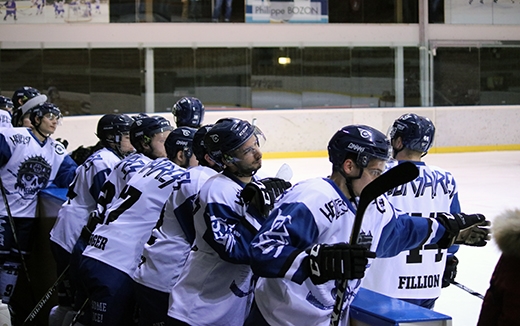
42,109
416,132
145,127
188,112
364,141
6,103
111,126
180,139
29,98
199,149
228,135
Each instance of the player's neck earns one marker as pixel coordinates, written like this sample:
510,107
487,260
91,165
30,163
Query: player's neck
406,155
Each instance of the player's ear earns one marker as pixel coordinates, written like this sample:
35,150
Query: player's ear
348,166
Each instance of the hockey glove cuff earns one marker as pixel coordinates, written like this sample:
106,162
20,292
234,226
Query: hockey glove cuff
450,271
339,261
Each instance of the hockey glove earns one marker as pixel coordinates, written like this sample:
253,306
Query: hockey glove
450,271
455,224
339,261
477,236
262,194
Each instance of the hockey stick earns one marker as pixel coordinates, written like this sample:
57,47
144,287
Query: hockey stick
15,237
470,291
80,311
45,297
400,174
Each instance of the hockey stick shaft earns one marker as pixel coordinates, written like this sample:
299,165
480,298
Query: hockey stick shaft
400,174
80,311
470,291
46,297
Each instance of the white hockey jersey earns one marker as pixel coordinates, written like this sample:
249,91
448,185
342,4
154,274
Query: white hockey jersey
215,287
128,223
82,197
166,251
27,166
122,172
316,211
417,273
5,119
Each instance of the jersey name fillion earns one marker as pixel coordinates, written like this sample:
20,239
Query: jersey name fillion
419,282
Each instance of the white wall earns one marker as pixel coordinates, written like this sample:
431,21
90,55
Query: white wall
299,133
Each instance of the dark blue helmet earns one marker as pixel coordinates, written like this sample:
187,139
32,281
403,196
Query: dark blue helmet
6,103
365,142
111,127
23,94
199,149
42,109
416,132
188,112
24,99
144,128
180,139
228,135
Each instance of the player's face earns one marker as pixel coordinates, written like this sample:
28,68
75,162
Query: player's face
248,157
374,169
125,145
48,124
157,144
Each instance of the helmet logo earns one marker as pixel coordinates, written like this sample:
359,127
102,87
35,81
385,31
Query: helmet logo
214,138
356,147
186,133
365,133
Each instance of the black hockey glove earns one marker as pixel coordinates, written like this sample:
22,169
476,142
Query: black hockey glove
450,271
477,236
339,261
455,224
262,194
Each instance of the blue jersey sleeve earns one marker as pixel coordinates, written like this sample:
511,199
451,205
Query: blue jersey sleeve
228,233
98,181
405,233
277,249
66,172
5,151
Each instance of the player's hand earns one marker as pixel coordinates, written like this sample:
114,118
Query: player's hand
339,261
262,194
477,236
450,271
455,224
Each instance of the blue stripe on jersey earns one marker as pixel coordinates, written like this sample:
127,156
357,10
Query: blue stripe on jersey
184,215
5,151
290,223
98,181
228,233
392,242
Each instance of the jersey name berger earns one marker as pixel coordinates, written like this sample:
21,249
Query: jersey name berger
437,181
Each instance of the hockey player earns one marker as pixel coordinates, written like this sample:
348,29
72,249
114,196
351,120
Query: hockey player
188,112
310,226
215,286
434,190
112,131
6,106
10,6
167,249
24,99
30,160
114,248
148,136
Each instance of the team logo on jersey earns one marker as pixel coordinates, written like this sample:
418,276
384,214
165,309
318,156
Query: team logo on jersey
380,205
33,175
365,239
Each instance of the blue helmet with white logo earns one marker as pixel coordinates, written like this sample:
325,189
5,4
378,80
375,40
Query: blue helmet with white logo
144,128
366,143
6,103
188,112
24,99
180,139
111,127
416,132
